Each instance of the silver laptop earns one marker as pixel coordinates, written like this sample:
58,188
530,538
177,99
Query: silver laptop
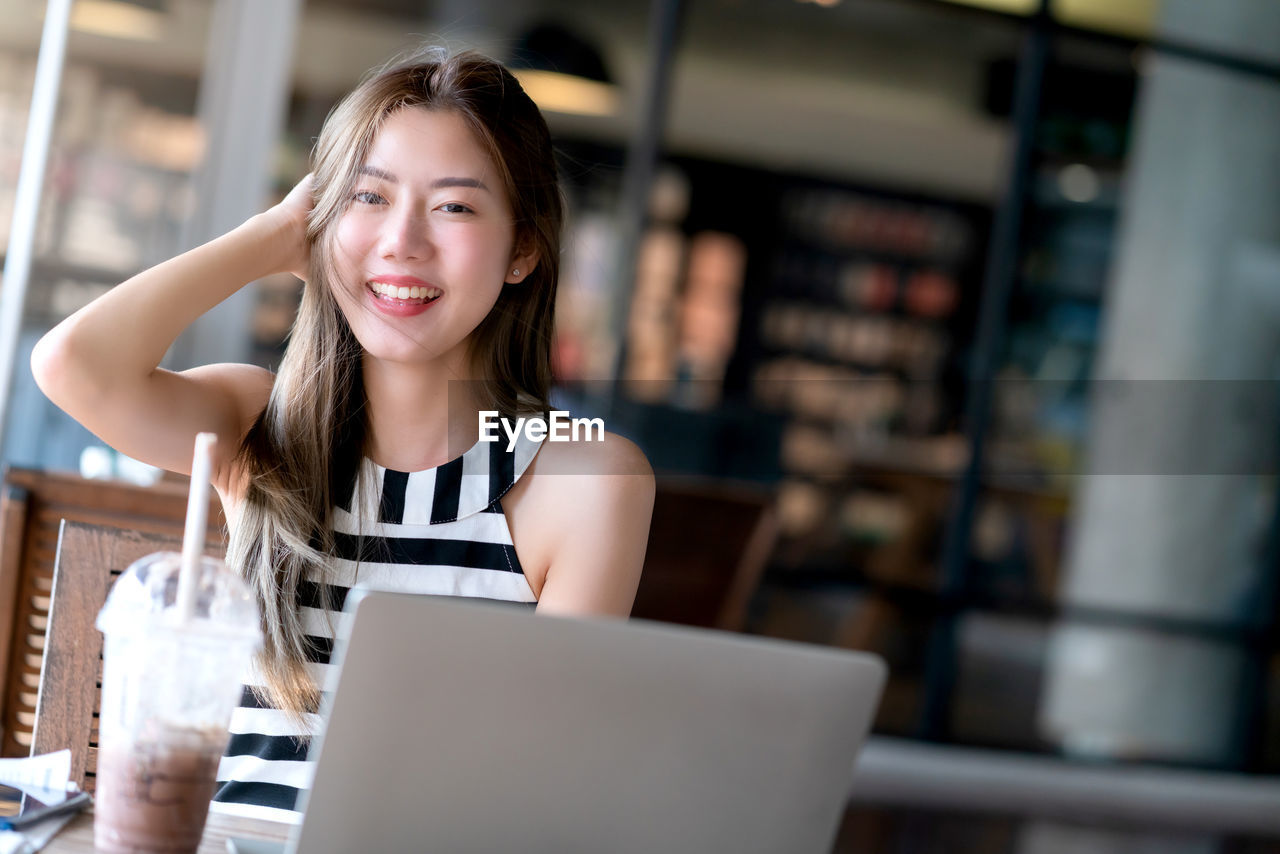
460,725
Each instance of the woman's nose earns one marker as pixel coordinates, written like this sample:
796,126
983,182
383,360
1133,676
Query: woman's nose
404,235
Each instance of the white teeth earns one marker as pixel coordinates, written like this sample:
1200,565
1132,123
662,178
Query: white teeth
394,292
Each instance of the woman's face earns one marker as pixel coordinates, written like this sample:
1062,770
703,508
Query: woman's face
426,243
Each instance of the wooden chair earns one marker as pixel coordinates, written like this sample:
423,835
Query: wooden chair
708,545
89,559
32,506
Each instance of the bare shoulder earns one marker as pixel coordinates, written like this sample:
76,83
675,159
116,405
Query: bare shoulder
609,455
579,518
577,481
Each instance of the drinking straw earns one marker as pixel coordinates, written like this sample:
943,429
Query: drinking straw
197,523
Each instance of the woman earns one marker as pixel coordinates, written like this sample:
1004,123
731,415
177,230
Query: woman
428,238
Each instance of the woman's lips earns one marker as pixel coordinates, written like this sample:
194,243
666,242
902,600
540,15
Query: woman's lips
402,300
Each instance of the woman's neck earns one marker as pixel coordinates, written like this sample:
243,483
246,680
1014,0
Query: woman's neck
419,416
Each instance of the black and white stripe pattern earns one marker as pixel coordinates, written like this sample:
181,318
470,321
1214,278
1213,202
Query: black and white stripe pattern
440,531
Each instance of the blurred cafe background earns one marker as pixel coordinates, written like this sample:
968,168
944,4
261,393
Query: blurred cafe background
959,318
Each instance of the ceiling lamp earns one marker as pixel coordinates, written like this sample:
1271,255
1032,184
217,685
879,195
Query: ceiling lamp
1134,18
564,73
1011,7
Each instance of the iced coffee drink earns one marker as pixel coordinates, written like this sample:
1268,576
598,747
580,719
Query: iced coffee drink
168,688
153,794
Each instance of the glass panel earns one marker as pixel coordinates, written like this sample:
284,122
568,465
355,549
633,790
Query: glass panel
854,168
1133,358
1040,418
119,180
1054,318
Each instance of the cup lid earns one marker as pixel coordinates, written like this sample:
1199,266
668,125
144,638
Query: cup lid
145,599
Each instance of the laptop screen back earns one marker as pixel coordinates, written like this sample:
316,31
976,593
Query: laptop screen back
466,726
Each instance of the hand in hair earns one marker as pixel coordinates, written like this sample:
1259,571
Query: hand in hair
291,214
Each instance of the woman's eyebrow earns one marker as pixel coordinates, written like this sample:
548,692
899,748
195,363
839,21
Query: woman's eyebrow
382,174
438,184
441,183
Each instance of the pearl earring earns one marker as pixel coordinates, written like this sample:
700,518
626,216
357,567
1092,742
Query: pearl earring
515,272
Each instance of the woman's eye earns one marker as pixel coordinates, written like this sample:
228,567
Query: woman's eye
454,207
368,197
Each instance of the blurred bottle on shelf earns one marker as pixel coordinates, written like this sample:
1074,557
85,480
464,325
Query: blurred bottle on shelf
652,322
709,316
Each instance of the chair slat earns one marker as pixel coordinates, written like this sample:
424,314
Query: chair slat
32,506
70,693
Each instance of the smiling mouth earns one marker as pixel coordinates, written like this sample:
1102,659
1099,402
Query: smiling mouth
403,295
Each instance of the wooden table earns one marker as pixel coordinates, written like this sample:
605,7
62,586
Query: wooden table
77,837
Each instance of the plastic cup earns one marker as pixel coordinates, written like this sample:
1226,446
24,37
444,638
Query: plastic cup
169,685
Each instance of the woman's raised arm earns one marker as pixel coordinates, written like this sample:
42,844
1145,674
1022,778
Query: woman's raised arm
101,364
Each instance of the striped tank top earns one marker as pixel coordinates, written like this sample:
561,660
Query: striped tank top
441,531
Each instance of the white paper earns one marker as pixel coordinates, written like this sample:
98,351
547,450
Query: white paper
34,837
13,842
46,771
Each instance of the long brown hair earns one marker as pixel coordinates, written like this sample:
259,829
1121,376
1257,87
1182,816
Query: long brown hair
306,445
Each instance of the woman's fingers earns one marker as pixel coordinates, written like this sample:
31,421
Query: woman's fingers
300,198
291,214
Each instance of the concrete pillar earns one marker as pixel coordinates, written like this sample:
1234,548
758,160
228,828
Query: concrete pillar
1172,513
243,94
